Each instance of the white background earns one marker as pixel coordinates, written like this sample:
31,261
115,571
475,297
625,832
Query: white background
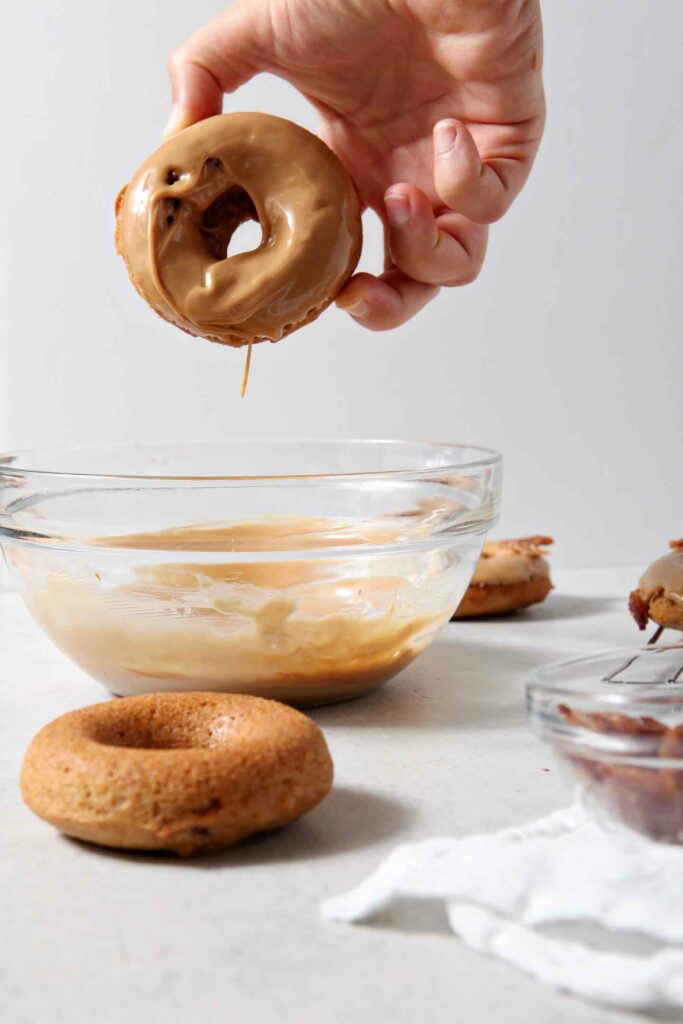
565,354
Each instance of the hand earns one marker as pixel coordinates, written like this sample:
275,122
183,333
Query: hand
435,107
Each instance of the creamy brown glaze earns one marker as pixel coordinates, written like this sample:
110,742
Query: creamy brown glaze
506,568
177,216
665,574
304,630
512,561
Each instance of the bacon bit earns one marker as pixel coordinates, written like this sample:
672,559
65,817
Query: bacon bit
532,547
638,608
676,545
649,801
612,722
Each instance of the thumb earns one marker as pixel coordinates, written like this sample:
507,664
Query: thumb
216,59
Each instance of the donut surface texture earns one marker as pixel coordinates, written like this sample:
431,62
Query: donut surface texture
659,594
184,772
177,216
509,575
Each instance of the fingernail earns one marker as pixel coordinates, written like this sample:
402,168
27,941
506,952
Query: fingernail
171,127
398,208
359,310
445,134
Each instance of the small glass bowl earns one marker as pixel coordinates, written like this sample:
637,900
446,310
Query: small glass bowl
307,571
615,721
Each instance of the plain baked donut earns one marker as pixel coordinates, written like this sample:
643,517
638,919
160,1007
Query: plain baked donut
176,218
176,771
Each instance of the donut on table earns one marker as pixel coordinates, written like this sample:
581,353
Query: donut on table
510,574
659,594
176,771
176,218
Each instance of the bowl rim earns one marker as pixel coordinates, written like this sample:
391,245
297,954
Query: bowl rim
488,457
621,693
632,701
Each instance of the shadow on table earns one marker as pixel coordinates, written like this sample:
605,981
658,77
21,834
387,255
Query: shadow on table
456,682
348,819
565,607
413,917
429,917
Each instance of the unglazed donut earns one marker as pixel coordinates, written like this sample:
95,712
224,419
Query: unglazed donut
176,218
659,594
176,771
510,574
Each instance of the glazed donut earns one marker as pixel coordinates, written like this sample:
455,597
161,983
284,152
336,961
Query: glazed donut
659,594
176,771
510,574
176,218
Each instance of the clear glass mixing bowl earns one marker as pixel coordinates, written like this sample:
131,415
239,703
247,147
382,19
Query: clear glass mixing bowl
308,571
615,722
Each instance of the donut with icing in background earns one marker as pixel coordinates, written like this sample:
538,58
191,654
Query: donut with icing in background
659,594
176,771
176,217
509,575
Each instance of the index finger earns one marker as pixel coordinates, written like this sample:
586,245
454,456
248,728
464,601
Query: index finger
216,59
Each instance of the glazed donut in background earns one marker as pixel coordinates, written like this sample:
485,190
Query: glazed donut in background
659,594
176,218
176,771
510,574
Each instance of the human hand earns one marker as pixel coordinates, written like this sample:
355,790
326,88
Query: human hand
435,108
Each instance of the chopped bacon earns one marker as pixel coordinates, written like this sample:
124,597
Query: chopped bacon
533,547
643,798
613,722
638,608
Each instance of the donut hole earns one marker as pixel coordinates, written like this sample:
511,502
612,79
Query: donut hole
230,225
247,237
191,731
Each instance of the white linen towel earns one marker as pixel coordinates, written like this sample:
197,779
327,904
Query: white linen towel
499,887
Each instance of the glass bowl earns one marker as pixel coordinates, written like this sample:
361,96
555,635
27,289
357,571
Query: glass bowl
615,721
307,571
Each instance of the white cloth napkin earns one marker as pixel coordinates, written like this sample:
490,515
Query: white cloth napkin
499,887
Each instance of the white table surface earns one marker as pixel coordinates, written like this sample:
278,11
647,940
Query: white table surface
96,936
